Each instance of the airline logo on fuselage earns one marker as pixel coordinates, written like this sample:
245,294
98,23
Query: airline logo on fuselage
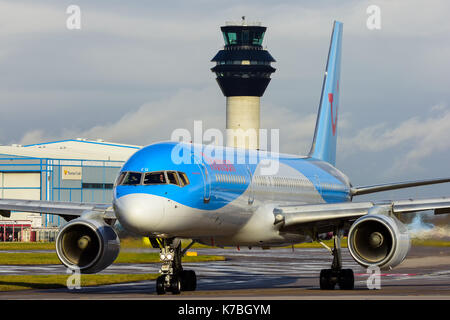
228,167
219,164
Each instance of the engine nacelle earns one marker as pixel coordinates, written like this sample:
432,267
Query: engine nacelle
88,245
378,240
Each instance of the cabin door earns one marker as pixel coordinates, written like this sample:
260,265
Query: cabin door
206,180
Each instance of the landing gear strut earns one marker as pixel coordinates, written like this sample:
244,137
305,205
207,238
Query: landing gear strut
336,275
173,278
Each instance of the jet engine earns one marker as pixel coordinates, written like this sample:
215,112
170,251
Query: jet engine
378,240
87,245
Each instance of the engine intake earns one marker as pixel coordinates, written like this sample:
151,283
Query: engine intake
89,245
378,240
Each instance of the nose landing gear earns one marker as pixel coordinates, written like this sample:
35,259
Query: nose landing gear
173,278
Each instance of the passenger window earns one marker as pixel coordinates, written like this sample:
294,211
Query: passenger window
173,178
132,178
155,178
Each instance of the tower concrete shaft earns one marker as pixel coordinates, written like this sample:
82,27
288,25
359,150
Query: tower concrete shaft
243,122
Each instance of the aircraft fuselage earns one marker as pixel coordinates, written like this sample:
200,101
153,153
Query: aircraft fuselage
221,199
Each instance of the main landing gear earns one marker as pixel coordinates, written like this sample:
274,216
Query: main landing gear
336,275
173,278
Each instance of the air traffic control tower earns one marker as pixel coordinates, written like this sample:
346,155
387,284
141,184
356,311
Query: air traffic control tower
243,72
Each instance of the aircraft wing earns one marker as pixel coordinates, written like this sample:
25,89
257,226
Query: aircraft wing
67,210
326,215
356,191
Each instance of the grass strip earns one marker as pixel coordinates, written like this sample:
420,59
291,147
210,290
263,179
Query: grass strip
25,282
430,243
27,246
19,258
133,243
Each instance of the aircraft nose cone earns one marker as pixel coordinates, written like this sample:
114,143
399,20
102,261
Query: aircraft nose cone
140,213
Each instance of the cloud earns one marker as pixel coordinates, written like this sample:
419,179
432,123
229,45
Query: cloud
296,128
156,120
421,137
19,18
35,136
152,121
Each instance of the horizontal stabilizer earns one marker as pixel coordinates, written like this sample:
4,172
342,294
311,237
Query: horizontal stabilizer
393,186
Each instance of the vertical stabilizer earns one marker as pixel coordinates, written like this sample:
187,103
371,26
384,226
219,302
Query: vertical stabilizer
325,135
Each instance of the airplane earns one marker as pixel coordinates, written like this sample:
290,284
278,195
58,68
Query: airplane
211,200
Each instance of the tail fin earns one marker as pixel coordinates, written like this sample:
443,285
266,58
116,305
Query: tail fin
325,135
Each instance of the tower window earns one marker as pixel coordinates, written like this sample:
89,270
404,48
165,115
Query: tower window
231,37
225,38
245,36
258,38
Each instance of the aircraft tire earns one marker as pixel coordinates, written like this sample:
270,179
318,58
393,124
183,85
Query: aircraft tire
188,280
160,285
175,285
346,279
326,282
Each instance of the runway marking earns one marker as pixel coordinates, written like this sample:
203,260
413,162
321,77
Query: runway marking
387,274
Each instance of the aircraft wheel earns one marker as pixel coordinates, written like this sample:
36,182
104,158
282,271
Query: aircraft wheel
346,279
188,280
175,284
160,289
326,281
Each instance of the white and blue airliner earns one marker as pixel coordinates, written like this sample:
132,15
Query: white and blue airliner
213,200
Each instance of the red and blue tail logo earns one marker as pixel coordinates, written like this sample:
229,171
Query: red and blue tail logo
325,135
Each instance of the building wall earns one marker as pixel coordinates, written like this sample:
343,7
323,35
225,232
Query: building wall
56,180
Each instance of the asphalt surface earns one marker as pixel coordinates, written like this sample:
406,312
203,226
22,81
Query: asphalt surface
265,274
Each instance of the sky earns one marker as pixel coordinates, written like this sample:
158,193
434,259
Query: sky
137,70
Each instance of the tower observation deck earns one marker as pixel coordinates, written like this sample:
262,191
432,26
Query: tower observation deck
243,70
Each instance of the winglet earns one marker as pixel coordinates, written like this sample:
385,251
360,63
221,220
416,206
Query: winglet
325,135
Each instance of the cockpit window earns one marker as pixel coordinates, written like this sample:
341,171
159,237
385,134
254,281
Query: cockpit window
155,178
150,178
132,178
183,179
173,178
120,178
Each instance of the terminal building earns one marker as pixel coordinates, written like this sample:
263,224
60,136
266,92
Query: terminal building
77,170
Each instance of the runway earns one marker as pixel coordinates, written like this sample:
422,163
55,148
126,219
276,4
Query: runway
265,274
